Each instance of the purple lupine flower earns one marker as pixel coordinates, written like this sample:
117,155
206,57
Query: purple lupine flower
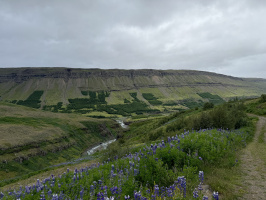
148,191
169,192
153,197
137,195
100,182
1,195
114,190
156,190
26,189
183,184
201,176
136,171
55,197
200,158
113,167
105,191
127,197
91,190
100,196
81,193
215,195
205,198
195,193
163,145
200,187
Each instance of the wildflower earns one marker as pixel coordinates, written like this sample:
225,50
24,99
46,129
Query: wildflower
137,195
195,193
81,193
215,195
156,190
127,197
201,176
55,197
114,190
111,198
205,198
200,187
100,196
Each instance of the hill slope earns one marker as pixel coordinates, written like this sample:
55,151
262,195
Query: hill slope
69,89
33,139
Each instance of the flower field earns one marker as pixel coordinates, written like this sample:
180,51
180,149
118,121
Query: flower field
171,169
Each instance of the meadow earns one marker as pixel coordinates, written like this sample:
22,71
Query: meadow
171,169
156,158
191,154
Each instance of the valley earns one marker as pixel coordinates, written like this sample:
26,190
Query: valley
167,127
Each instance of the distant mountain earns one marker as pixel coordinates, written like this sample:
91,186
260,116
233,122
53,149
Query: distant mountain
120,92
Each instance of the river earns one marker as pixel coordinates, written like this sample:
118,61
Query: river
105,144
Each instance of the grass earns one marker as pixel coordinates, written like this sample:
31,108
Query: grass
32,139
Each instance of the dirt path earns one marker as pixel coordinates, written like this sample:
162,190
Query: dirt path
253,165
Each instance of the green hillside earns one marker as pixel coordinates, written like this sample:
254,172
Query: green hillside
109,93
32,140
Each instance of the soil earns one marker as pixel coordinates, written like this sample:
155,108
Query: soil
253,168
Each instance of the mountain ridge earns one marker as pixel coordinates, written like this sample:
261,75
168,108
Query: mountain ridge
155,88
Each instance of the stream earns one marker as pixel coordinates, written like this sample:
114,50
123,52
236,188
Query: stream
104,145
100,147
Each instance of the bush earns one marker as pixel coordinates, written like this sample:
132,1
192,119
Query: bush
208,105
263,98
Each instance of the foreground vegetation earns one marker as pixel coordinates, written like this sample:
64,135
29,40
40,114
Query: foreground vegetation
171,168
32,140
156,157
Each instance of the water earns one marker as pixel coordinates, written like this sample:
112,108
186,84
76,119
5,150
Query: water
100,147
105,144
122,124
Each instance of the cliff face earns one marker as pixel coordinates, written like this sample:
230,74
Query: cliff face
62,84
23,74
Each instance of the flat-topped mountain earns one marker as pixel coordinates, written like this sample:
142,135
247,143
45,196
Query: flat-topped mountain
67,89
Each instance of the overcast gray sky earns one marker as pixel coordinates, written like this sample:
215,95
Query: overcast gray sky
223,36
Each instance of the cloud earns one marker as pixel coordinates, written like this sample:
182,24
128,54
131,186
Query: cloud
220,36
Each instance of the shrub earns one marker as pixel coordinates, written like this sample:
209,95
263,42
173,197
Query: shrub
263,98
208,105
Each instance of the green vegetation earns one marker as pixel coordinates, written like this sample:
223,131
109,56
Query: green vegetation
42,139
208,105
213,151
215,99
256,106
151,99
192,103
85,93
262,98
32,101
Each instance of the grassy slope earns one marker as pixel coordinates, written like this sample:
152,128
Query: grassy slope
167,88
138,136
32,140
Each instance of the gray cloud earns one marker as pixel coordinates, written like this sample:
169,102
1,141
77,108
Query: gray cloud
220,36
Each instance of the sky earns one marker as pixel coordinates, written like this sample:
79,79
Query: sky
222,36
